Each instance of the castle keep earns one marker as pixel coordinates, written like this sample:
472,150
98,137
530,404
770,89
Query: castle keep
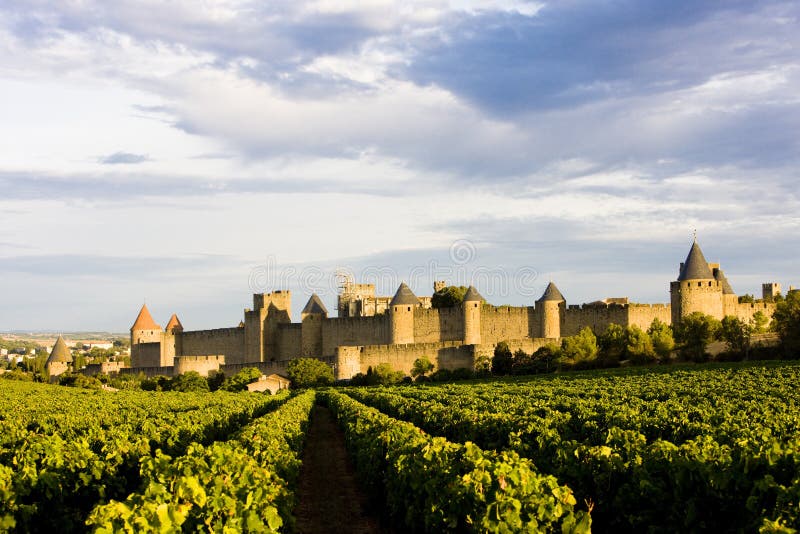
370,330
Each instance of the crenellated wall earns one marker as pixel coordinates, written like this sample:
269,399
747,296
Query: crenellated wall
226,341
200,364
354,331
448,355
745,311
508,322
433,325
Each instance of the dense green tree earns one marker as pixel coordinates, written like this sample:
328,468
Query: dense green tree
694,332
639,347
736,334
448,297
309,372
421,367
190,381
215,380
239,381
386,375
760,322
503,360
661,336
613,343
747,298
580,348
786,322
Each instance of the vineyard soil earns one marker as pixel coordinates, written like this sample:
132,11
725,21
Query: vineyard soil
329,497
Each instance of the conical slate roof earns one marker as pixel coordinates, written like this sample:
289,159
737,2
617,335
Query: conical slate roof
144,321
720,277
551,293
60,352
174,323
472,295
404,296
695,267
315,305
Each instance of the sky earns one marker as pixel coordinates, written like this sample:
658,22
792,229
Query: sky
191,153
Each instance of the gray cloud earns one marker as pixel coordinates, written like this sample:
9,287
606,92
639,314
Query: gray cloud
123,158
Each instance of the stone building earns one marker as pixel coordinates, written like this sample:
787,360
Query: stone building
370,329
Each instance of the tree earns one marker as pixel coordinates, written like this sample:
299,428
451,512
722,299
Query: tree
239,381
190,381
581,347
747,298
309,372
639,347
503,360
448,297
613,343
661,336
386,375
421,367
694,332
759,322
786,322
736,334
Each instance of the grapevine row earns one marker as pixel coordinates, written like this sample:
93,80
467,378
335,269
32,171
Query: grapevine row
244,484
433,485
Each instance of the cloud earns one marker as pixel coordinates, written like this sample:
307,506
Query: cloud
118,158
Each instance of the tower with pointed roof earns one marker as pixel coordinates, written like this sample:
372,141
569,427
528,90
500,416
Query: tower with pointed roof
312,318
172,341
401,313
144,332
551,307
697,289
59,360
472,316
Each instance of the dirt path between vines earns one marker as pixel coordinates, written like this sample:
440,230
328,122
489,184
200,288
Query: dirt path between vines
329,497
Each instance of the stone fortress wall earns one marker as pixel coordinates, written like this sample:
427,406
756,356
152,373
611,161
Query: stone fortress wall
372,329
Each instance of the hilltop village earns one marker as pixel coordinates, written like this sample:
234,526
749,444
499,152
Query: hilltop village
370,330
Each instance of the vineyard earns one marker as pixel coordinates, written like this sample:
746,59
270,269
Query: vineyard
705,448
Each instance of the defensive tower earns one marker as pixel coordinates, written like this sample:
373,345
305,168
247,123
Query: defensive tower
312,318
551,306
696,289
401,310
472,316
59,360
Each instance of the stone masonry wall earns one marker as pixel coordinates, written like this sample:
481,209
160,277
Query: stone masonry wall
146,355
226,341
507,322
354,331
435,325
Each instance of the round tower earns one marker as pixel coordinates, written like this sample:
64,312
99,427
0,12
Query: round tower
173,341
144,330
550,307
696,289
59,360
472,316
312,317
401,312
